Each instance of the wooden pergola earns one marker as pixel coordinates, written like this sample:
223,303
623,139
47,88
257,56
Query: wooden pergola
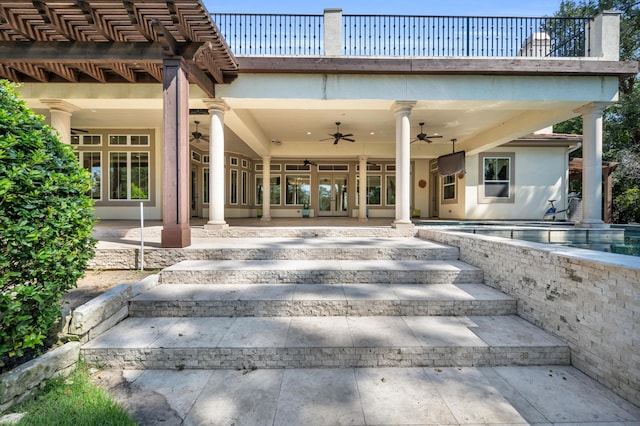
168,42
104,41
608,167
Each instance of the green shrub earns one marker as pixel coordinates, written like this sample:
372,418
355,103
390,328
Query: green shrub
626,206
46,220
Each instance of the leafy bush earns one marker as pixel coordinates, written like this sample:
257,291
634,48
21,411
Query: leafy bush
46,220
626,206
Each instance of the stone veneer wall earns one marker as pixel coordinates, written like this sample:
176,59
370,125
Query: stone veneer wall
589,299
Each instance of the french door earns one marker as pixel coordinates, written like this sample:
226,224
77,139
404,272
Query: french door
332,195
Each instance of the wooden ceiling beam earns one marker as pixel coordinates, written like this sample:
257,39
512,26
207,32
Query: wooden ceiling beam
32,71
62,70
124,71
96,52
92,71
8,73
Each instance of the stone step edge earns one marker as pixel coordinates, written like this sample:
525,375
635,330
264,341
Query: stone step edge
281,276
276,308
324,357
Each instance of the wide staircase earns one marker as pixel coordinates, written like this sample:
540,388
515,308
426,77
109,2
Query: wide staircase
323,302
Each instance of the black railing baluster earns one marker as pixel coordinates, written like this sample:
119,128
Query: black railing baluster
398,35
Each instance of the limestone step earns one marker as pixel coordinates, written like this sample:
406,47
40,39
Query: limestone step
321,271
321,342
223,300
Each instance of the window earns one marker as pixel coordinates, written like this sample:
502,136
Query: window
449,188
298,189
233,161
274,190
233,195
133,140
86,140
259,190
245,187
374,190
390,190
496,178
92,161
195,156
129,175
205,185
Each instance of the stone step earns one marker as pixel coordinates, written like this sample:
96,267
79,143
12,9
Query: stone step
119,256
223,300
322,272
321,342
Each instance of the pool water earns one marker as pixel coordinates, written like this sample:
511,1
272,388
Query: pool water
630,246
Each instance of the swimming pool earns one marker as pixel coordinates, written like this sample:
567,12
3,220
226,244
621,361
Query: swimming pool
619,239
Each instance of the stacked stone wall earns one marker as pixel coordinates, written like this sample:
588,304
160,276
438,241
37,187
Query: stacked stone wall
589,299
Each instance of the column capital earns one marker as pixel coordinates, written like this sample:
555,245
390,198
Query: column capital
400,107
216,105
593,108
60,105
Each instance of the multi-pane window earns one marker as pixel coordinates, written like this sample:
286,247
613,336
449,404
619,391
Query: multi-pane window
234,187
449,187
390,190
298,189
245,187
205,185
133,140
86,140
497,177
128,175
92,162
374,190
274,190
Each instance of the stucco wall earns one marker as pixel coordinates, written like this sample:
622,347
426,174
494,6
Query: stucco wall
540,175
589,299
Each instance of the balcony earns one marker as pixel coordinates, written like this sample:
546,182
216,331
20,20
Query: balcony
335,34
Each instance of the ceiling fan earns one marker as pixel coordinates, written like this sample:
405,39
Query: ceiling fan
337,136
309,163
197,136
422,136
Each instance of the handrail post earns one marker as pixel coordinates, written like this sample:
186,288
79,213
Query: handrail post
604,37
333,32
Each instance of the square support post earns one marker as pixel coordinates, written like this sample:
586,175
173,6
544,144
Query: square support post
176,232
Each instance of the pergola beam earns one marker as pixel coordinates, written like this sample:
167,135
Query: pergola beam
90,52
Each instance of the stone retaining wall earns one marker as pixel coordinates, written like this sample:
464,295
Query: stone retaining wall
589,299
82,324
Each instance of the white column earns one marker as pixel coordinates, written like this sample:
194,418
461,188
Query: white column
266,188
592,166
217,109
402,109
362,196
61,112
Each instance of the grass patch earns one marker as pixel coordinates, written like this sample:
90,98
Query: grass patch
73,401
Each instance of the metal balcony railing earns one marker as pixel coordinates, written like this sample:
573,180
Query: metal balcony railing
396,35
260,34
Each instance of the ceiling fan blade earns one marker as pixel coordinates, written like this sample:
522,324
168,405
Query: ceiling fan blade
348,139
328,139
335,142
347,135
434,136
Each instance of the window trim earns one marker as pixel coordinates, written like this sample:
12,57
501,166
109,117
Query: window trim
453,200
129,169
382,195
482,199
286,180
81,155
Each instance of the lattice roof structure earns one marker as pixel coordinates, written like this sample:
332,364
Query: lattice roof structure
107,41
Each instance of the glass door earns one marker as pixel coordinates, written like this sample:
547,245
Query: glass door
332,195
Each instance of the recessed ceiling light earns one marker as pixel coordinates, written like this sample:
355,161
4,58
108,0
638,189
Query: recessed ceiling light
372,133
308,133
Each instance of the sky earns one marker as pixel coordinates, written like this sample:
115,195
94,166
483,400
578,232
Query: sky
510,8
